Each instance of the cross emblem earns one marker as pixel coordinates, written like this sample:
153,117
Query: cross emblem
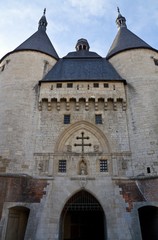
82,144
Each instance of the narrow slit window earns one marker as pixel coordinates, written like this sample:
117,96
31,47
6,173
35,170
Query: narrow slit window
148,170
103,166
62,166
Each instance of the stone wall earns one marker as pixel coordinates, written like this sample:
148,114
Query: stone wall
139,70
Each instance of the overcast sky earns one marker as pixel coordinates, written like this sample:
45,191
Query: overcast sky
70,20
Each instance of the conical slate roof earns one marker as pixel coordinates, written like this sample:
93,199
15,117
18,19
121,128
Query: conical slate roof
82,65
125,39
39,41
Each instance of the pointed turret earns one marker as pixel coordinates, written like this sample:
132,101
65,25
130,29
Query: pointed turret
43,22
125,39
39,41
120,20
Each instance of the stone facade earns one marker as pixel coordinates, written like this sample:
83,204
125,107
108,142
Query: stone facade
62,138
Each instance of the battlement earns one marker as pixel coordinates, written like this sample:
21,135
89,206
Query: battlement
91,93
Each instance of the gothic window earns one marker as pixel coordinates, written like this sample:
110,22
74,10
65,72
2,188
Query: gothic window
59,85
67,119
98,119
103,166
62,166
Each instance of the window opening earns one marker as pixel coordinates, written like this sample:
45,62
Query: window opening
84,47
62,166
148,170
96,85
103,166
69,85
106,85
67,119
98,119
59,85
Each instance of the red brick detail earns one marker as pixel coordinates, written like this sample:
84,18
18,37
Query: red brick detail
130,193
21,189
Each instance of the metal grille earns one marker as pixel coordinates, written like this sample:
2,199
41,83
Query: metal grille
98,119
62,166
66,119
103,166
83,201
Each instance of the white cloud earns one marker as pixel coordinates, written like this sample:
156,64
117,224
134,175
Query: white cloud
92,7
69,20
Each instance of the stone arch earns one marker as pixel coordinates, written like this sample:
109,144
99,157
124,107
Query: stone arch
82,218
148,218
17,223
83,125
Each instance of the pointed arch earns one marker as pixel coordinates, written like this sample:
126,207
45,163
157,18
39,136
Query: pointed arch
82,218
82,125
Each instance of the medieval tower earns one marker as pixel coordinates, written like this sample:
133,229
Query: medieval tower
79,140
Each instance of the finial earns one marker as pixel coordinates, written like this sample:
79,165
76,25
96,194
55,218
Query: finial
118,10
121,21
43,22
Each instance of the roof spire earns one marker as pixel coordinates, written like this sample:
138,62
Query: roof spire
43,22
118,10
120,20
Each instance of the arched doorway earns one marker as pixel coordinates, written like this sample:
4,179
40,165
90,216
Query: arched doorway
148,217
17,223
82,218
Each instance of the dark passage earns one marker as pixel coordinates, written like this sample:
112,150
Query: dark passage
148,217
84,225
84,218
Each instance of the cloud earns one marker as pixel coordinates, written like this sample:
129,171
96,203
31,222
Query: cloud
69,20
92,8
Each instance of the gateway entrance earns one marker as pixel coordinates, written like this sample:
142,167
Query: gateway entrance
83,218
148,217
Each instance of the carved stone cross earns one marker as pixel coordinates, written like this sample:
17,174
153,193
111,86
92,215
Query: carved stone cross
82,144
